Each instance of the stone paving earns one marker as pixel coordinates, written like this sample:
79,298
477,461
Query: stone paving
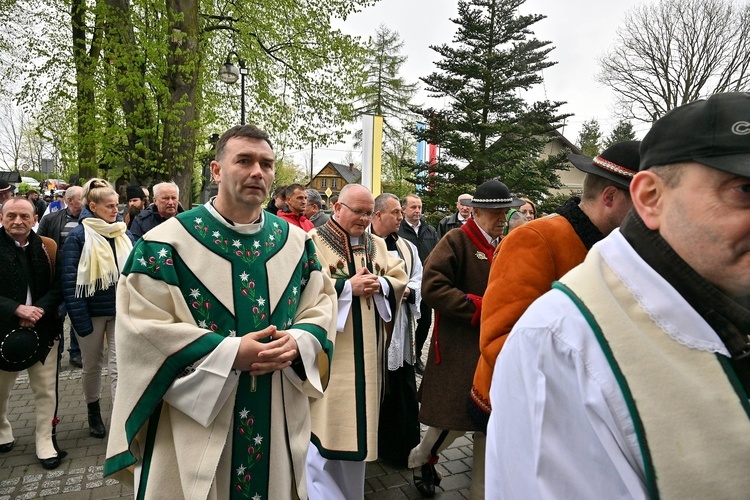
383,482
80,476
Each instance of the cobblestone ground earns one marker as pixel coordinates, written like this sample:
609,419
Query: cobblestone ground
80,476
383,482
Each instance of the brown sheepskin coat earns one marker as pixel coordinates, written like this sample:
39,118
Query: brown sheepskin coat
455,273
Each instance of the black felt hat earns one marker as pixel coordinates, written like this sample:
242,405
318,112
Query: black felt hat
6,187
618,163
134,192
22,348
714,132
493,194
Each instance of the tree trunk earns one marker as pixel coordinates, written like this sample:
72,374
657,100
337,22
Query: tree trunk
86,99
181,119
129,75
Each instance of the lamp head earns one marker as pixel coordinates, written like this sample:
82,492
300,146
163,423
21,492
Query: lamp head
228,73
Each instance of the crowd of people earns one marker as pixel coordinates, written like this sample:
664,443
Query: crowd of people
267,349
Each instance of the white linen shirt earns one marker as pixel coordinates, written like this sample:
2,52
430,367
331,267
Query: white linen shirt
560,427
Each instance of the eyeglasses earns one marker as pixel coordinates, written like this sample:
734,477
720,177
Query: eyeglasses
358,213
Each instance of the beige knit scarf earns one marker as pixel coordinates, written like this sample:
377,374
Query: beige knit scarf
98,269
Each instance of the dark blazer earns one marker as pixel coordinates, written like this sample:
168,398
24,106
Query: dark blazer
147,220
29,268
52,225
447,223
425,241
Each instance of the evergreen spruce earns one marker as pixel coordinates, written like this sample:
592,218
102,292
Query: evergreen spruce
623,131
590,138
487,130
386,93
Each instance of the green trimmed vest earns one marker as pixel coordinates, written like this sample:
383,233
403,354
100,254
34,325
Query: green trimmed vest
691,416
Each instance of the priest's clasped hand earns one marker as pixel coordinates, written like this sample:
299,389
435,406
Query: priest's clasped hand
364,283
260,358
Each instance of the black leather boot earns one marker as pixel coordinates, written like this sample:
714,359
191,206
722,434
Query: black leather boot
96,425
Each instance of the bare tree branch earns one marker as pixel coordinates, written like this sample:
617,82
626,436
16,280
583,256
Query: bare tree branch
676,51
12,130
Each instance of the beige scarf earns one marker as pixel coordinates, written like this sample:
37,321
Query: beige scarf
97,268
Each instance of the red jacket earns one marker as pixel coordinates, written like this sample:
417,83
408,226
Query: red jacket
295,219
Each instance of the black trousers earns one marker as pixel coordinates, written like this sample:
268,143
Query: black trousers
398,430
423,327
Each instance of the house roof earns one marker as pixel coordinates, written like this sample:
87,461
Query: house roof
552,136
555,134
343,170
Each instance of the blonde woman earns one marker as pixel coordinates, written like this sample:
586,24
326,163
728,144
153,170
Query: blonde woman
93,256
529,209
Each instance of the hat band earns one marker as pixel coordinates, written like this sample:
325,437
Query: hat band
493,200
613,167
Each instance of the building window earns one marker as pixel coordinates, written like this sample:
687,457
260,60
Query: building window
334,183
323,182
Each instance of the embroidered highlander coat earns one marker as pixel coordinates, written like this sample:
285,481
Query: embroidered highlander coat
456,269
188,284
345,421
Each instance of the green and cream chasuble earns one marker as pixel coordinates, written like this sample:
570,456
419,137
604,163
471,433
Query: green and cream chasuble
259,286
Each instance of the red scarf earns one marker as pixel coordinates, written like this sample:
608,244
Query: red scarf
477,237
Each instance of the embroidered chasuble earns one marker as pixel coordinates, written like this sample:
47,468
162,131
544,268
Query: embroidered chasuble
189,284
345,421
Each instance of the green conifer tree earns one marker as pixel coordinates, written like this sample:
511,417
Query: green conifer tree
487,129
384,92
590,138
623,131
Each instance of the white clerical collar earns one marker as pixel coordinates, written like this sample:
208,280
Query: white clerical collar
661,301
353,240
250,228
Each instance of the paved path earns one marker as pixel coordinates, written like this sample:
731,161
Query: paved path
80,476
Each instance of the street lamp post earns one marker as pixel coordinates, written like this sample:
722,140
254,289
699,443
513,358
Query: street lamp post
229,74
